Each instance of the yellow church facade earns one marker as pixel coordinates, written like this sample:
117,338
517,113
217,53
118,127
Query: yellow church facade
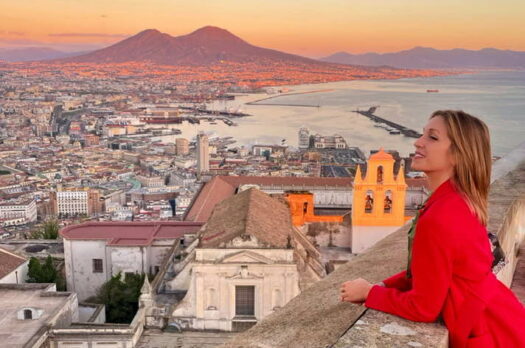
378,206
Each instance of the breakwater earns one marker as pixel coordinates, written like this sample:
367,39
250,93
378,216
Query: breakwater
402,129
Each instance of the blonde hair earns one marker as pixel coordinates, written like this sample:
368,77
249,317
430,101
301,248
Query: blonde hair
470,148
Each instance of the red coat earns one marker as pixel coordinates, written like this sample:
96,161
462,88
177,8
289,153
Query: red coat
452,278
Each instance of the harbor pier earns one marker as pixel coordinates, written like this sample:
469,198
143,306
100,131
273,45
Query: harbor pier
400,129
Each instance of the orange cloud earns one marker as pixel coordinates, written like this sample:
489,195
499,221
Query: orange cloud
89,35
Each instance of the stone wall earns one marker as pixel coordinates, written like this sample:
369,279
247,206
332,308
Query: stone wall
87,335
507,208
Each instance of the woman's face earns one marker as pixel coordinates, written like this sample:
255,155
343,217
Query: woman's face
433,149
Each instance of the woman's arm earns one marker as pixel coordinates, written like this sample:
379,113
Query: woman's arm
398,281
431,275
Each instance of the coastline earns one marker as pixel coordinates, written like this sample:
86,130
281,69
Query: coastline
257,102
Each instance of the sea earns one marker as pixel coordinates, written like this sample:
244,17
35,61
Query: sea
496,97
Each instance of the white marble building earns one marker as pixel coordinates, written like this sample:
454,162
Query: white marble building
95,251
72,202
25,209
243,268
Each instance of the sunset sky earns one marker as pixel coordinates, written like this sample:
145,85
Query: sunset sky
312,28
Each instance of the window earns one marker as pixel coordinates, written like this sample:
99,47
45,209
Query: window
369,201
380,174
245,300
388,202
97,266
28,314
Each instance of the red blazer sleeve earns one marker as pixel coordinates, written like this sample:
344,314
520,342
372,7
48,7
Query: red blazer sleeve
431,275
398,281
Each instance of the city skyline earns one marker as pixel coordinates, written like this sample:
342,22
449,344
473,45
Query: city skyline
305,28
195,174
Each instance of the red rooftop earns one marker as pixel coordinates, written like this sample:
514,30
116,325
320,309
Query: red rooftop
128,233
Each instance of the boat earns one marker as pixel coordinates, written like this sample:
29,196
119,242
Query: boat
432,90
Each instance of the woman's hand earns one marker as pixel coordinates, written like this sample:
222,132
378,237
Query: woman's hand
355,291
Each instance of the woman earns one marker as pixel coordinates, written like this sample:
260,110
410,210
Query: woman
449,265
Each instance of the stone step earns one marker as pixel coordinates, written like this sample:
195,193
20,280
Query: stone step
186,339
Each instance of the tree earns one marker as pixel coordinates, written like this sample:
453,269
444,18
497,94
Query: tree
49,272
46,273
120,297
48,231
34,270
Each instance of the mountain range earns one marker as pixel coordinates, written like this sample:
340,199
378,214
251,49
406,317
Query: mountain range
430,58
205,46
25,54
211,45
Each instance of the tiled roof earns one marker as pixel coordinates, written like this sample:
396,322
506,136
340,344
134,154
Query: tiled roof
9,262
251,212
417,182
287,181
222,187
211,193
126,233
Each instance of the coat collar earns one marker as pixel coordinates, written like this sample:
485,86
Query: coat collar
443,189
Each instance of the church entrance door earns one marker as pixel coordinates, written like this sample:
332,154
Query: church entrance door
245,300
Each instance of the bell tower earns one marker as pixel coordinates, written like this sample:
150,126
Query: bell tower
378,206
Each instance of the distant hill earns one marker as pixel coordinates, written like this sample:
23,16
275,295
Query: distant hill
32,53
430,58
205,46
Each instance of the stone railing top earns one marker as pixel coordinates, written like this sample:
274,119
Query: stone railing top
508,185
507,212
378,329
